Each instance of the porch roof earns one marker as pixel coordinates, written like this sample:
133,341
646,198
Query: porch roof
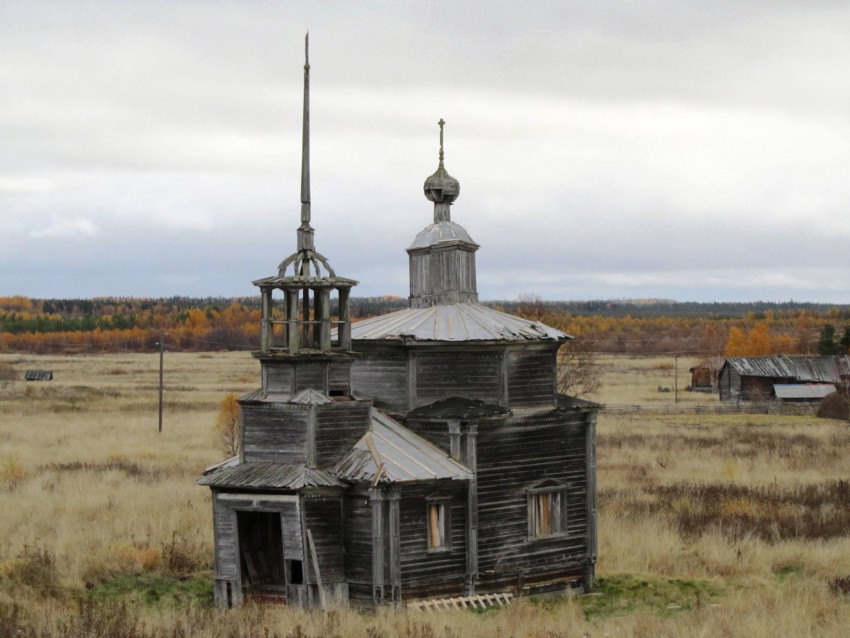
390,452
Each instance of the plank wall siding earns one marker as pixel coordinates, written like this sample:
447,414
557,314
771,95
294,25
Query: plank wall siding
338,427
512,459
441,271
531,378
474,375
275,432
384,378
424,572
287,379
226,506
323,517
358,543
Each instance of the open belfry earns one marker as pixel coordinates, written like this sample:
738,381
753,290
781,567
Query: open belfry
424,454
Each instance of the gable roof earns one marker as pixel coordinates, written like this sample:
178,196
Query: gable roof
811,369
392,453
453,322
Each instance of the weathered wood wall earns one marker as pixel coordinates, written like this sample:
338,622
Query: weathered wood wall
323,517
471,374
338,427
427,572
287,378
275,432
531,378
511,459
226,505
358,544
442,273
383,376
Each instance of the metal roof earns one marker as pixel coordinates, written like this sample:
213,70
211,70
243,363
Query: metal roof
309,396
441,232
453,322
392,453
814,369
802,391
231,473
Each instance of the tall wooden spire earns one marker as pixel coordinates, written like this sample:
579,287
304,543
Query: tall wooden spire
305,231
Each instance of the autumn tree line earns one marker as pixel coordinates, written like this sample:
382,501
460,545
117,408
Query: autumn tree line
657,327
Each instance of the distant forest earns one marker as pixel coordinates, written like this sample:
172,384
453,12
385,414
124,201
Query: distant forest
612,326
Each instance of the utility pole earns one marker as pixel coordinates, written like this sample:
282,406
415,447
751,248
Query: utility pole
161,345
676,377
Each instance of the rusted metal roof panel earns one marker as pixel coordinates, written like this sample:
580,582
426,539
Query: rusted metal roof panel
389,452
453,322
803,391
266,476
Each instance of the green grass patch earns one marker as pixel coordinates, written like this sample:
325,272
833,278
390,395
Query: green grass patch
790,570
155,589
625,594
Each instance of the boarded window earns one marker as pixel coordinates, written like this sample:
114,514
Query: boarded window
546,512
438,523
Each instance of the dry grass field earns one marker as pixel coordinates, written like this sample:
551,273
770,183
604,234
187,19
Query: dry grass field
710,525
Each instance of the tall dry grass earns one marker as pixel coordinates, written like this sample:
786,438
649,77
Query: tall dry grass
709,525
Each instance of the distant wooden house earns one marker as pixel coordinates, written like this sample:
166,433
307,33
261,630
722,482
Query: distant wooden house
756,378
417,455
704,377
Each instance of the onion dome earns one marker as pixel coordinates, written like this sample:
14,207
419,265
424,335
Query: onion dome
441,188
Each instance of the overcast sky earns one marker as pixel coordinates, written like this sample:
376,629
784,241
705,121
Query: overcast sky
683,150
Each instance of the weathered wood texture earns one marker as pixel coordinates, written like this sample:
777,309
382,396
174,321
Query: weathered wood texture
338,427
323,517
275,432
285,379
531,378
384,378
358,543
442,274
427,572
226,507
511,459
470,374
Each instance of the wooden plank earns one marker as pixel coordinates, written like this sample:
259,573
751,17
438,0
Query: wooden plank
315,560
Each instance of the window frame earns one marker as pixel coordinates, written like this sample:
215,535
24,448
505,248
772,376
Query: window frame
438,503
558,519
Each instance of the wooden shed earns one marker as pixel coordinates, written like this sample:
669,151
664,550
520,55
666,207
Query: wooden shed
421,454
755,378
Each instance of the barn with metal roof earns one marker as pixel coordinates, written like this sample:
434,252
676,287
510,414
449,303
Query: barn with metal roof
755,378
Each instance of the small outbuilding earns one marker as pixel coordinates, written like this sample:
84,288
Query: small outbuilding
757,378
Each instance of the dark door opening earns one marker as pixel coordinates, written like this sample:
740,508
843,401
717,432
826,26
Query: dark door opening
261,553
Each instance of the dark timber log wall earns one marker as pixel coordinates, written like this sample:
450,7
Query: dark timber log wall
323,517
358,544
338,427
436,572
531,378
275,433
511,460
474,375
383,377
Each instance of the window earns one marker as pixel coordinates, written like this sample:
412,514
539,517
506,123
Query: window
547,512
438,513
